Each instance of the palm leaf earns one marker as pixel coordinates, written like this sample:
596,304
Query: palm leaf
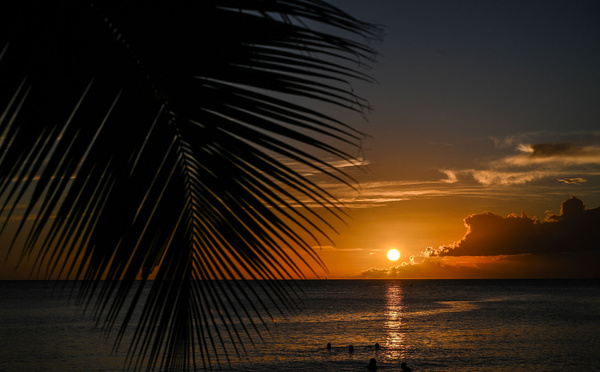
150,141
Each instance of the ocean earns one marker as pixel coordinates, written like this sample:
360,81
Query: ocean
432,325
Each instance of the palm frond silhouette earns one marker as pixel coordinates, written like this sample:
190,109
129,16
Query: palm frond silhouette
152,140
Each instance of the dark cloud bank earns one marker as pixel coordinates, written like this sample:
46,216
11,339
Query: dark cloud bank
574,230
566,245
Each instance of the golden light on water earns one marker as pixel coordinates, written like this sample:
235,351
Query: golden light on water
393,323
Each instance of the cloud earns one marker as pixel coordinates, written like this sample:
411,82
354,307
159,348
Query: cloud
331,248
451,176
574,230
441,267
572,180
327,163
383,193
407,270
494,176
510,141
545,150
565,245
554,154
525,167
547,265
531,157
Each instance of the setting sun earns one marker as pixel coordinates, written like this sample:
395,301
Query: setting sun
393,254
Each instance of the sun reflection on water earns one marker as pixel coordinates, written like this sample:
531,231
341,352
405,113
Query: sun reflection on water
394,313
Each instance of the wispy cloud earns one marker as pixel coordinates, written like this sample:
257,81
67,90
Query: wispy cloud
331,248
572,180
373,194
555,155
523,162
308,170
528,158
497,176
512,140
468,183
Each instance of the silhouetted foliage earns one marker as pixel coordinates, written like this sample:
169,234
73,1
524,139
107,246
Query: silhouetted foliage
152,140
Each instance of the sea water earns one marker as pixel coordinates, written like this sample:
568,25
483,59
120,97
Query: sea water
432,325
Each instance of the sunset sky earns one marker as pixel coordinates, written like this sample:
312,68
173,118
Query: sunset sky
478,106
481,110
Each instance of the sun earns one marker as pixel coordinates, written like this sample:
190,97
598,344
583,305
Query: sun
393,254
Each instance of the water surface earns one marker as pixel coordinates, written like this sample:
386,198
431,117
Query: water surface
432,325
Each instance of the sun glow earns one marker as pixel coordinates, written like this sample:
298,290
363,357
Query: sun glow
393,254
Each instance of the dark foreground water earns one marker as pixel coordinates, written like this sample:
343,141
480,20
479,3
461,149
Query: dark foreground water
432,325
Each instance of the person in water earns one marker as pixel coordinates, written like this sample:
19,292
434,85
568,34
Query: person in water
405,368
372,365
351,349
329,346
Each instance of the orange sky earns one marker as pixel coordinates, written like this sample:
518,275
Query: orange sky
478,107
502,248
483,245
